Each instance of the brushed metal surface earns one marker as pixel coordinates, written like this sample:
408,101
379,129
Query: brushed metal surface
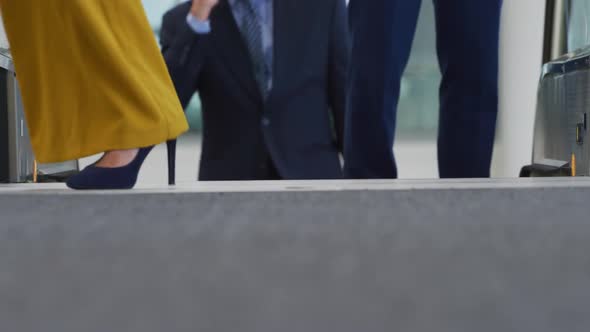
563,112
21,157
6,61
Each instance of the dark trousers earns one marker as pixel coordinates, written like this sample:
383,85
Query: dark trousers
268,172
467,45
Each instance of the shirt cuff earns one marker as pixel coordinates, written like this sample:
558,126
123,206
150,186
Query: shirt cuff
198,26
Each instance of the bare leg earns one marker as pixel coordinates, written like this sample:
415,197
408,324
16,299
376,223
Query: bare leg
117,158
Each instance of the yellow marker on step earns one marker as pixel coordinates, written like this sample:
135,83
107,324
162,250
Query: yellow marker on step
573,164
35,171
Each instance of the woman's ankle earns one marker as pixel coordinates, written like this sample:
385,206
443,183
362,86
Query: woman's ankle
117,158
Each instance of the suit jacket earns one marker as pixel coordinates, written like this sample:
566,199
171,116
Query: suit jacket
300,125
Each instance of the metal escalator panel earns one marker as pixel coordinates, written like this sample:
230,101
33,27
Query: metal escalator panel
563,110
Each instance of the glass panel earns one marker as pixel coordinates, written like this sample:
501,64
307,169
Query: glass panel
418,104
578,20
156,8
417,118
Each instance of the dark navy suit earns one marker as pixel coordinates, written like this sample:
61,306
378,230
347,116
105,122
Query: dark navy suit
467,44
297,132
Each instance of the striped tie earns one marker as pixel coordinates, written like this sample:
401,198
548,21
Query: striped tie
252,34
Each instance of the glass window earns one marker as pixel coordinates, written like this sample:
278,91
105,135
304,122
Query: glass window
417,116
156,8
418,104
578,20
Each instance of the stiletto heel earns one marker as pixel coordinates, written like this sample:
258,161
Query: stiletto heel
171,147
100,178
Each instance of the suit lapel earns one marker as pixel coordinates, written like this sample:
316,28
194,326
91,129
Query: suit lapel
231,46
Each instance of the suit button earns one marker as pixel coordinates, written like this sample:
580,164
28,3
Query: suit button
265,121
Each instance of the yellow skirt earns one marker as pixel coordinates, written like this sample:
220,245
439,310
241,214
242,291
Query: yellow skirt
92,77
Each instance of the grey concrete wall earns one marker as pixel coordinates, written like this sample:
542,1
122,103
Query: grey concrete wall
479,259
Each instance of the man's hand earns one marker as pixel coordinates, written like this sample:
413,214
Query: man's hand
201,9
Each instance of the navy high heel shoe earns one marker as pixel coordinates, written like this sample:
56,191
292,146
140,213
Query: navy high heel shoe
125,177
